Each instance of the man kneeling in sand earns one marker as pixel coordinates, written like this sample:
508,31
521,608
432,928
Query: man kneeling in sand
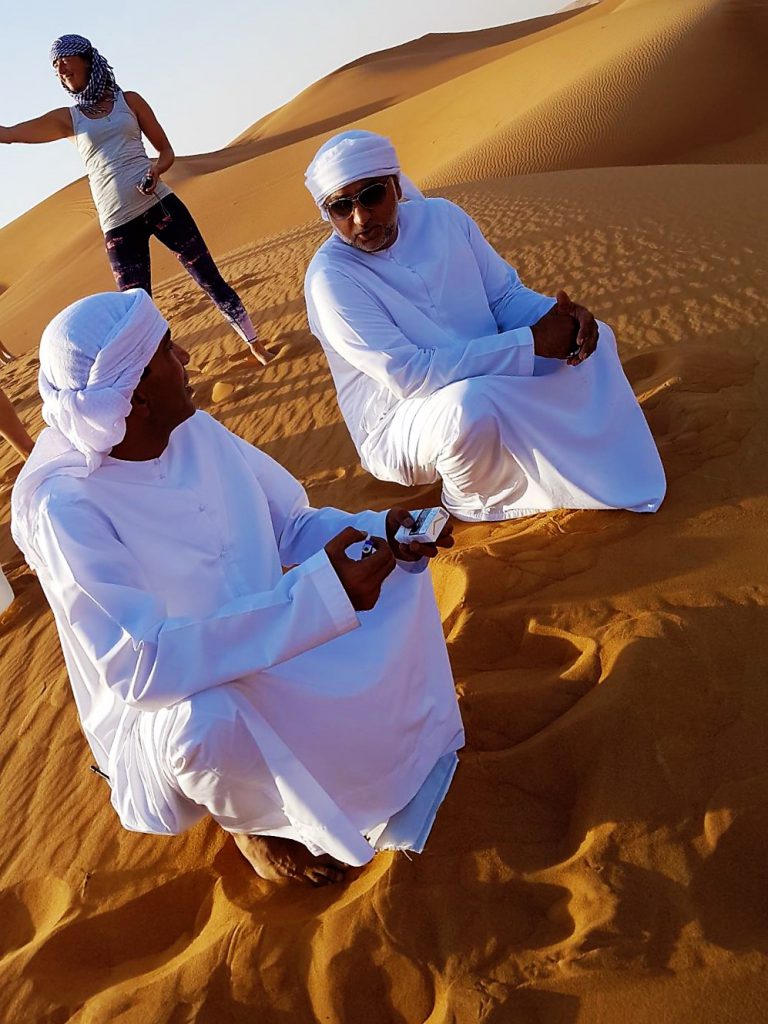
207,679
447,367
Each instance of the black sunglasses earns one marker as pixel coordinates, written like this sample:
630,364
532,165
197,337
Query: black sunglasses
368,197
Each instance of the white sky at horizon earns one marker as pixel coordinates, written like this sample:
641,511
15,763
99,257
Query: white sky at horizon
207,79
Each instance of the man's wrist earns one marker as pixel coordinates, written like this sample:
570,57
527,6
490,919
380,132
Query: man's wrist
389,529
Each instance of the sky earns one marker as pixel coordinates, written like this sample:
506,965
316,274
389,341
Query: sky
208,70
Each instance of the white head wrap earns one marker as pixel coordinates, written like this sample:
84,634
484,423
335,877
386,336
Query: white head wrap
351,156
92,356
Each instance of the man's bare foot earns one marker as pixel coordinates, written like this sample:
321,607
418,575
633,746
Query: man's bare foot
259,354
280,860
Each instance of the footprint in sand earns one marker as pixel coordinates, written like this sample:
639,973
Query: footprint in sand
543,675
30,910
459,920
84,956
674,387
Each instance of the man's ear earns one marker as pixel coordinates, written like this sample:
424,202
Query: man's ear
139,403
398,189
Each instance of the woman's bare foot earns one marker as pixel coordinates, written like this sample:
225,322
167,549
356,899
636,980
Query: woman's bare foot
280,860
259,354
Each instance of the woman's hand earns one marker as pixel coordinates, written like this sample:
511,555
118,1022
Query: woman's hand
148,183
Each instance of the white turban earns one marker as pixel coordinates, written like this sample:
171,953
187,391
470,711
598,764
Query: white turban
92,356
351,156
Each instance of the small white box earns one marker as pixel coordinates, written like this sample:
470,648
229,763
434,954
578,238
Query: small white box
427,526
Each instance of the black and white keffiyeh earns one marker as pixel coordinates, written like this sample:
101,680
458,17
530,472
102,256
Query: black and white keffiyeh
101,81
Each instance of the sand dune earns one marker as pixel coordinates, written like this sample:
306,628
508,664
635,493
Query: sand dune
600,858
626,82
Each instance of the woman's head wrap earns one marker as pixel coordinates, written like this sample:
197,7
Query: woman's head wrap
92,356
101,82
352,156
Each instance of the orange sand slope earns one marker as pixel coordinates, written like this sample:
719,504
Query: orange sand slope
600,858
626,82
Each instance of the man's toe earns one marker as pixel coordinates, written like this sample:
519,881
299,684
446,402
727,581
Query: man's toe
324,874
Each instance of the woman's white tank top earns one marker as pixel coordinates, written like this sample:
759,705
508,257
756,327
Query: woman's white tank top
116,161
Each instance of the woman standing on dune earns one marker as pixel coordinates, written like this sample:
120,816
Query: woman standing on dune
132,202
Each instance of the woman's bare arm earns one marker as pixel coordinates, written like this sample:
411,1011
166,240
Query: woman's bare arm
151,127
12,429
56,124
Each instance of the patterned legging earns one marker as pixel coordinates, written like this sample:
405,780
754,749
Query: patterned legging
172,224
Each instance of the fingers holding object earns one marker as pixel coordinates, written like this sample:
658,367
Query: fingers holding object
363,579
421,549
382,561
338,545
401,516
446,538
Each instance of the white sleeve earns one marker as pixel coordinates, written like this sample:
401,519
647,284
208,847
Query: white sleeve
300,530
513,305
151,660
354,324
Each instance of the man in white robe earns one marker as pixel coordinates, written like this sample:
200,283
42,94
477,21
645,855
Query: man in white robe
310,712
447,367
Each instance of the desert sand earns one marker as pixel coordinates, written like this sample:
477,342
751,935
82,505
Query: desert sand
602,855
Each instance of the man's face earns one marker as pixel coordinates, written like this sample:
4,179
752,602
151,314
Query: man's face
73,72
165,387
371,224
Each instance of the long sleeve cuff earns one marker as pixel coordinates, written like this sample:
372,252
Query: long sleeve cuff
373,523
330,592
520,344
507,353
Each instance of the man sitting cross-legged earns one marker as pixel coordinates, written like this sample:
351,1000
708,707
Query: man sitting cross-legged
310,712
447,367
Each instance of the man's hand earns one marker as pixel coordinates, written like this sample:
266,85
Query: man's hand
412,552
586,339
362,580
566,331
